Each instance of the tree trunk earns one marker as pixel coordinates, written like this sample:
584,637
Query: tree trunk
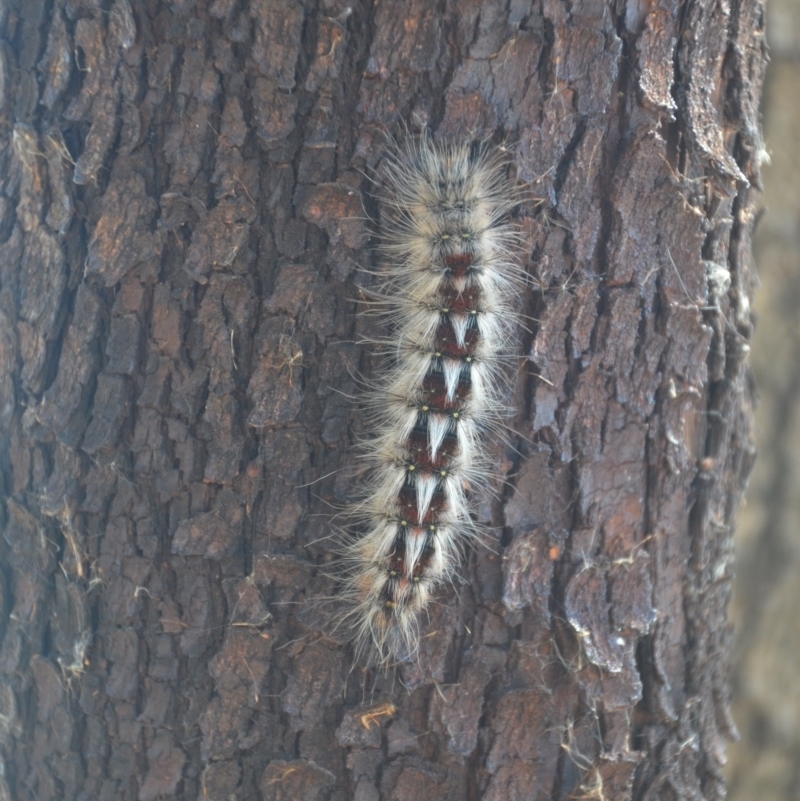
181,226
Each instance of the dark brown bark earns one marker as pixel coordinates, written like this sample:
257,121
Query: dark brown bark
181,219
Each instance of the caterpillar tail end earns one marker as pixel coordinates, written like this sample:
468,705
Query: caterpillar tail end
387,634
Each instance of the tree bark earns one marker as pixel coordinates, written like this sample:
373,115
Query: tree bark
181,226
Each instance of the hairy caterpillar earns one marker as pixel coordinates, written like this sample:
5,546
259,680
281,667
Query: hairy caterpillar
448,290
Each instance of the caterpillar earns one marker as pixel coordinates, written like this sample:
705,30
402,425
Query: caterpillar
448,290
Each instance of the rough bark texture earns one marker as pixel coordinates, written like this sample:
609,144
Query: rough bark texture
181,221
